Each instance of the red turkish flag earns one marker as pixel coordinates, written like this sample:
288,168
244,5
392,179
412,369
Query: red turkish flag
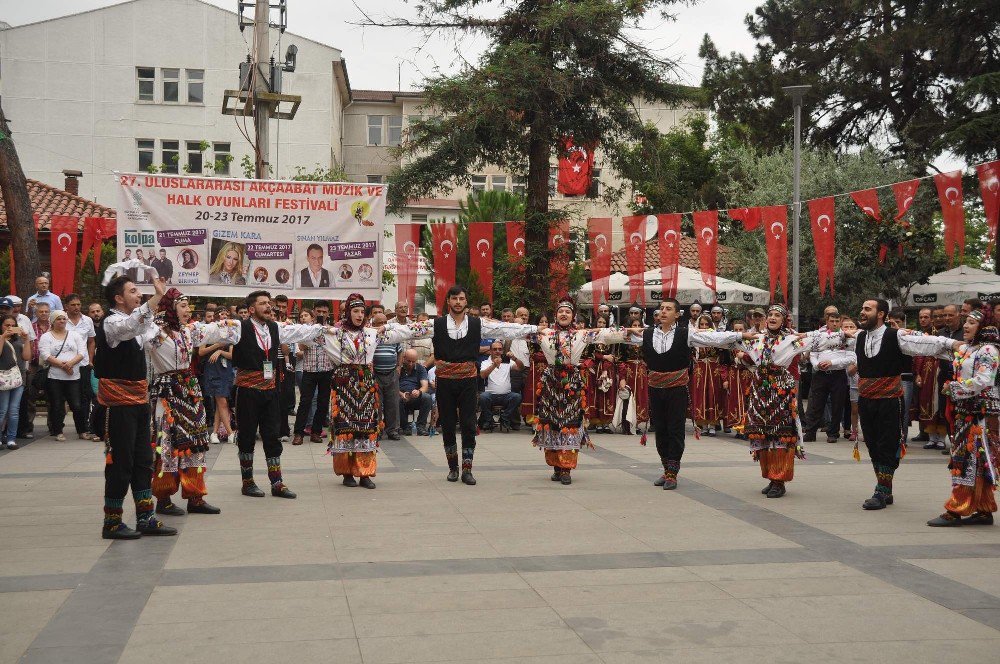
775,220
706,231
824,239
949,187
515,249
599,248
93,238
989,187
867,200
481,255
407,259
668,233
904,193
62,245
749,216
576,164
635,255
445,251
559,259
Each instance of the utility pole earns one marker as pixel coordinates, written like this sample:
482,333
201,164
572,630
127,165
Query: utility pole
262,82
796,92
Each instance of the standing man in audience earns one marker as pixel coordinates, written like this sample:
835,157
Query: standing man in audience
84,327
386,367
829,382
43,296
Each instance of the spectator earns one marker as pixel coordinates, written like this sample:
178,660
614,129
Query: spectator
375,310
829,382
317,372
507,315
97,412
22,320
15,353
897,320
29,398
242,312
496,372
413,391
402,310
386,366
84,327
217,378
61,351
96,312
43,296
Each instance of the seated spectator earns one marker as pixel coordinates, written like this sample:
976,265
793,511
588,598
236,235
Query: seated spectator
495,371
414,386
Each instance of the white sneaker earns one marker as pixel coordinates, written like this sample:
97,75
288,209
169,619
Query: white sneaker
285,439
61,438
214,438
11,445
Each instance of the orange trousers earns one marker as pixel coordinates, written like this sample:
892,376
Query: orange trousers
189,480
565,459
359,464
967,500
777,464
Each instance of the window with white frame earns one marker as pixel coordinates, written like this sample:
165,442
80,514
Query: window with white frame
195,162
170,153
498,182
395,127
195,86
171,85
375,130
223,154
146,77
478,183
519,185
147,149
595,183
553,180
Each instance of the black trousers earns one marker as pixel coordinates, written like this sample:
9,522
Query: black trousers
313,381
131,454
286,400
258,409
60,393
26,421
81,418
668,408
457,399
208,401
882,426
826,385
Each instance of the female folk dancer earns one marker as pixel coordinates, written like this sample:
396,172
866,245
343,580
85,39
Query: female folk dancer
601,373
707,377
180,429
736,385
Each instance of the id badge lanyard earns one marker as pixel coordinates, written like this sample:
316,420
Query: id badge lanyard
266,347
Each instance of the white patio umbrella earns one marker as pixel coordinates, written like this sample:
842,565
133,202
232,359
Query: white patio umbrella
690,287
955,285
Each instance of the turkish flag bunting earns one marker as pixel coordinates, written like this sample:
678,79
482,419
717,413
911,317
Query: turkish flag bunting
63,232
93,238
481,255
867,200
635,256
575,166
749,216
949,186
515,249
668,233
559,259
989,187
824,240
904,193
775,220
599,248
407,259
444,237
706,231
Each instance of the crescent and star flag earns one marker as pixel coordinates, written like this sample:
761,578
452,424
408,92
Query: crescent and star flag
407,258
576,163
867,200
559,259
515,249
706,232
989,187
668,233
93,238
904,193
949,187
634,228
481,255
445,251
599,248
824,240
775,220
749,216
62,245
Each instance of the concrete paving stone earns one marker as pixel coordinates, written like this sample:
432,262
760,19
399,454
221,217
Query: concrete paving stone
772,571
608,577
13,645
645,593
28,612
97,654
443,552
403,602
361,538
53,560
616,636
251,547
248,592
822,587
440,583
485,645
466,621
205,611
980,573
258,629
323,651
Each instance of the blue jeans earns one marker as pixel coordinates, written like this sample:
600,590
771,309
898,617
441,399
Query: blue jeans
10,407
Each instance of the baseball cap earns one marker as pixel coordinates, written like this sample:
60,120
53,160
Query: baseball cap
14,299
6,302
756,312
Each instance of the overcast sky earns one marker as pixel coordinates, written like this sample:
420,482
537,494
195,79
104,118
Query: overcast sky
375,56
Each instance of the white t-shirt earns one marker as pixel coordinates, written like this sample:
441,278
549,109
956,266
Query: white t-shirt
26,325
85,328
49,346
498,382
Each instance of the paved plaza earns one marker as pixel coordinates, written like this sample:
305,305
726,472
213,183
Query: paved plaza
516,569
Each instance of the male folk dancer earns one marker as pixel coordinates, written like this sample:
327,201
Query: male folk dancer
457,338
122,388
631,407
180,428
257,403
355,401
666,350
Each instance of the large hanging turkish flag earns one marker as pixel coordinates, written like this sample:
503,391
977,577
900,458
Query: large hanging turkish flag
62,245
559,258
949,187
407,260
635,256
445,251
989,187
575,167
824,240
93,237
515,249
775,221
668,233
706,231
599,248
481,255
749,216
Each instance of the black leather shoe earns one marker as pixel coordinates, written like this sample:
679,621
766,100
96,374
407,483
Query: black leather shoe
978,519
808,438
932,445
565,478
920,438
169,509
467,478
203,508
555,476
669,485
253,491
946,520
282,491
453,475
393,436
878,501
767,489
156,527
660,480
777,491
366,482
120,532
350,481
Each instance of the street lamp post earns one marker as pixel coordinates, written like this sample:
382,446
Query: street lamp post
796,92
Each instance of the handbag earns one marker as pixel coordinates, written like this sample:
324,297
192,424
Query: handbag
10,379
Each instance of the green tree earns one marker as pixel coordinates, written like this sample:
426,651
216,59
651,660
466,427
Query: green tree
552,68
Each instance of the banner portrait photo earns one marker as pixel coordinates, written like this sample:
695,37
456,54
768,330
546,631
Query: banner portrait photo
228,237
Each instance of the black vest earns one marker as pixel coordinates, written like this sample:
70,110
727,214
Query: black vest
887,362
248,354
126,361
465,349
677,357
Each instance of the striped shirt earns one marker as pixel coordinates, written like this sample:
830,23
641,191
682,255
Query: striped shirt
386,357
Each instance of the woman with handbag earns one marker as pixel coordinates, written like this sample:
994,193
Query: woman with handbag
60,352
14,359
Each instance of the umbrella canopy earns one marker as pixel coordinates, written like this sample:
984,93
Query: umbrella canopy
690,287
955,285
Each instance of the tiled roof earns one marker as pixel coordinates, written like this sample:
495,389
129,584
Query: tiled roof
382,95
689,257
47,201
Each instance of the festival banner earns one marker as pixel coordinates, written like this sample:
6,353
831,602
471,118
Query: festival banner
821,213
668,230
634,228
775,220
949,187
989,188
706,231
445,251
228,237
62,247
481,255
599,248
559,258
407,254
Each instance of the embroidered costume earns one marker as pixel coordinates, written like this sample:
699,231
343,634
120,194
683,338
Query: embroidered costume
707,395
600,372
